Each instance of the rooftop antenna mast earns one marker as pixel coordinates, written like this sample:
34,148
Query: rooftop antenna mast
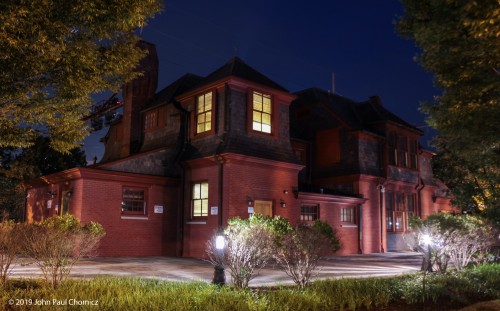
333,82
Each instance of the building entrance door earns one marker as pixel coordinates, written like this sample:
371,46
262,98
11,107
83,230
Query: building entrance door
265,208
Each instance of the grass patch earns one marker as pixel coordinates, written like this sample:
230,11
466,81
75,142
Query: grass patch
112,293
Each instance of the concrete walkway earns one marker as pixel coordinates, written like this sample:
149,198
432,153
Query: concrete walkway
187,269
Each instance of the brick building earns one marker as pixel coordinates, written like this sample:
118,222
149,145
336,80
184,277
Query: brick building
180,162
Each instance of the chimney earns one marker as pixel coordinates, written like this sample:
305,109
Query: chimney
136,94
375,99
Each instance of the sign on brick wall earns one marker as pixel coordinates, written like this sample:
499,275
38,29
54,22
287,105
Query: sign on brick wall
158,209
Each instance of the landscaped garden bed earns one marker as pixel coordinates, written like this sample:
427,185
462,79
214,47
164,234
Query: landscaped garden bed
442,292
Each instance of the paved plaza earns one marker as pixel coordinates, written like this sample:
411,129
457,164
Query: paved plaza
188,269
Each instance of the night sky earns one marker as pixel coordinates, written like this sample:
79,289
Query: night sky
298,44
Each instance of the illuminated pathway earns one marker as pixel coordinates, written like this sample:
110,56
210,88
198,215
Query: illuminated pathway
185,269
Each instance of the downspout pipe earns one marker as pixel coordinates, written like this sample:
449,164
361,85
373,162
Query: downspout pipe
220,168
360,231
382,209
218,154
184,137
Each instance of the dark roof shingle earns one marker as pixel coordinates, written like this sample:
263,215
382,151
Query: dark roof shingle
238,68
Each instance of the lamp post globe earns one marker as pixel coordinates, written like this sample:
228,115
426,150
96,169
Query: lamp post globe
219,275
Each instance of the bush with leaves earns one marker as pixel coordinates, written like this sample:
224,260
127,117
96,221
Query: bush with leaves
57,243
249,246
251,243
299,250
10,246
326,229
444,238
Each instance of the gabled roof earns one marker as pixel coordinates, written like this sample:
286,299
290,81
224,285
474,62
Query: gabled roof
179,86
373,111
236,67
357,115
340,106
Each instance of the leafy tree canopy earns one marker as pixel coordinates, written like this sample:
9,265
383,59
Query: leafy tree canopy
18,165
54,54
460,45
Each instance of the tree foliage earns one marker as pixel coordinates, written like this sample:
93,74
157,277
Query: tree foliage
460,45
54,55
19,165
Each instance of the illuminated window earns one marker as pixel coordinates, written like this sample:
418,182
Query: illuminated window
200,200
389,211
347,215
309,212
399,213
398,207
204,113
133,201
262,113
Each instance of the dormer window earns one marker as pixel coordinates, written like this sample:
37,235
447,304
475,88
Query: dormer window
402,151
261,112
204,113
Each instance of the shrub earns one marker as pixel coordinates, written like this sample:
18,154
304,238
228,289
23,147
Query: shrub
248,248
252,242
331,234
9,247
444,237
299,251
58,242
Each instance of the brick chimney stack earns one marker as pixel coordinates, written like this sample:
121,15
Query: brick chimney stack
375,99
136,94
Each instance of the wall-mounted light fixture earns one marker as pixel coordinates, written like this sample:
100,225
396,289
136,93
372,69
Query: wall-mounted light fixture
69,194
282,203
285,191
249,201
52,194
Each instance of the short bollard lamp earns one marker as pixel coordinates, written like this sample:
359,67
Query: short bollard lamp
220,244
427,240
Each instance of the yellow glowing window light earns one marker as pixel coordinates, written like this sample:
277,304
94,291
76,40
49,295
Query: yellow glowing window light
204,113
261,120
200,199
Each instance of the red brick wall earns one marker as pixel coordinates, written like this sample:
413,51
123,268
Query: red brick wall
198,230
348,235
426,203
141,236
37,208
370,215
242,179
